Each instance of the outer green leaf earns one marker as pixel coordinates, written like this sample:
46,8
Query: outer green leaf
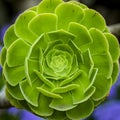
13,101
43,108
58,114
63,104
16,53
100,44
65,89
15,92
64,17
113,46
43,23
103,86
88,63
61,35
93,19
9,36
30,67
43,79
48,6
81,111
30,93
35,51
104,64
83,38
115,72
83,6
79,96
14,75
3,56
21,26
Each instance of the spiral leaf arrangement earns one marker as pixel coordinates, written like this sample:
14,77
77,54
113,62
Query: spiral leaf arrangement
59,60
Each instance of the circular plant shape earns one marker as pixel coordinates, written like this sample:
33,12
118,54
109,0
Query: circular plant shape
59,60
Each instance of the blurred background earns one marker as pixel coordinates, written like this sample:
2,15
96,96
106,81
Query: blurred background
110,9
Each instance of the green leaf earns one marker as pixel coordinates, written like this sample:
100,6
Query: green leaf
21,26
83,110
61,115
62,35
83,6
63,104
13,75
93,19
44,80
113,46
13,101
15,92
43,108
115,71
83,38
46,91
103,86
3,56
30,67
64,17
35,51
65,89
9,36
88,63
16,53
30,93
48,6
100,44
43,23
70,79
104,64
79,96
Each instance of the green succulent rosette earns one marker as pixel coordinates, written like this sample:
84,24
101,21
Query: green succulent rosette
59,60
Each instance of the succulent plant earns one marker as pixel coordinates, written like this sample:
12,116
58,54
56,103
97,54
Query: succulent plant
59,60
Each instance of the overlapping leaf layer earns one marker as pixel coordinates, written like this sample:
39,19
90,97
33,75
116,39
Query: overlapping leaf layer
59,60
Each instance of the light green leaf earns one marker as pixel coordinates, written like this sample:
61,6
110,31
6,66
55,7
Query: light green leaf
44,80
83,38
100,44
30,67
9,36
64,17
46,91
43,108
66,103
35,51
15,92
16,53
103,86
79,96
48,6
93,19
13,101
83,110
21,26
43,23
115,72
62,35
65,89
13,75
88,63
3,56
104,64
58,114
113,46
70,79
30,93
83,6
